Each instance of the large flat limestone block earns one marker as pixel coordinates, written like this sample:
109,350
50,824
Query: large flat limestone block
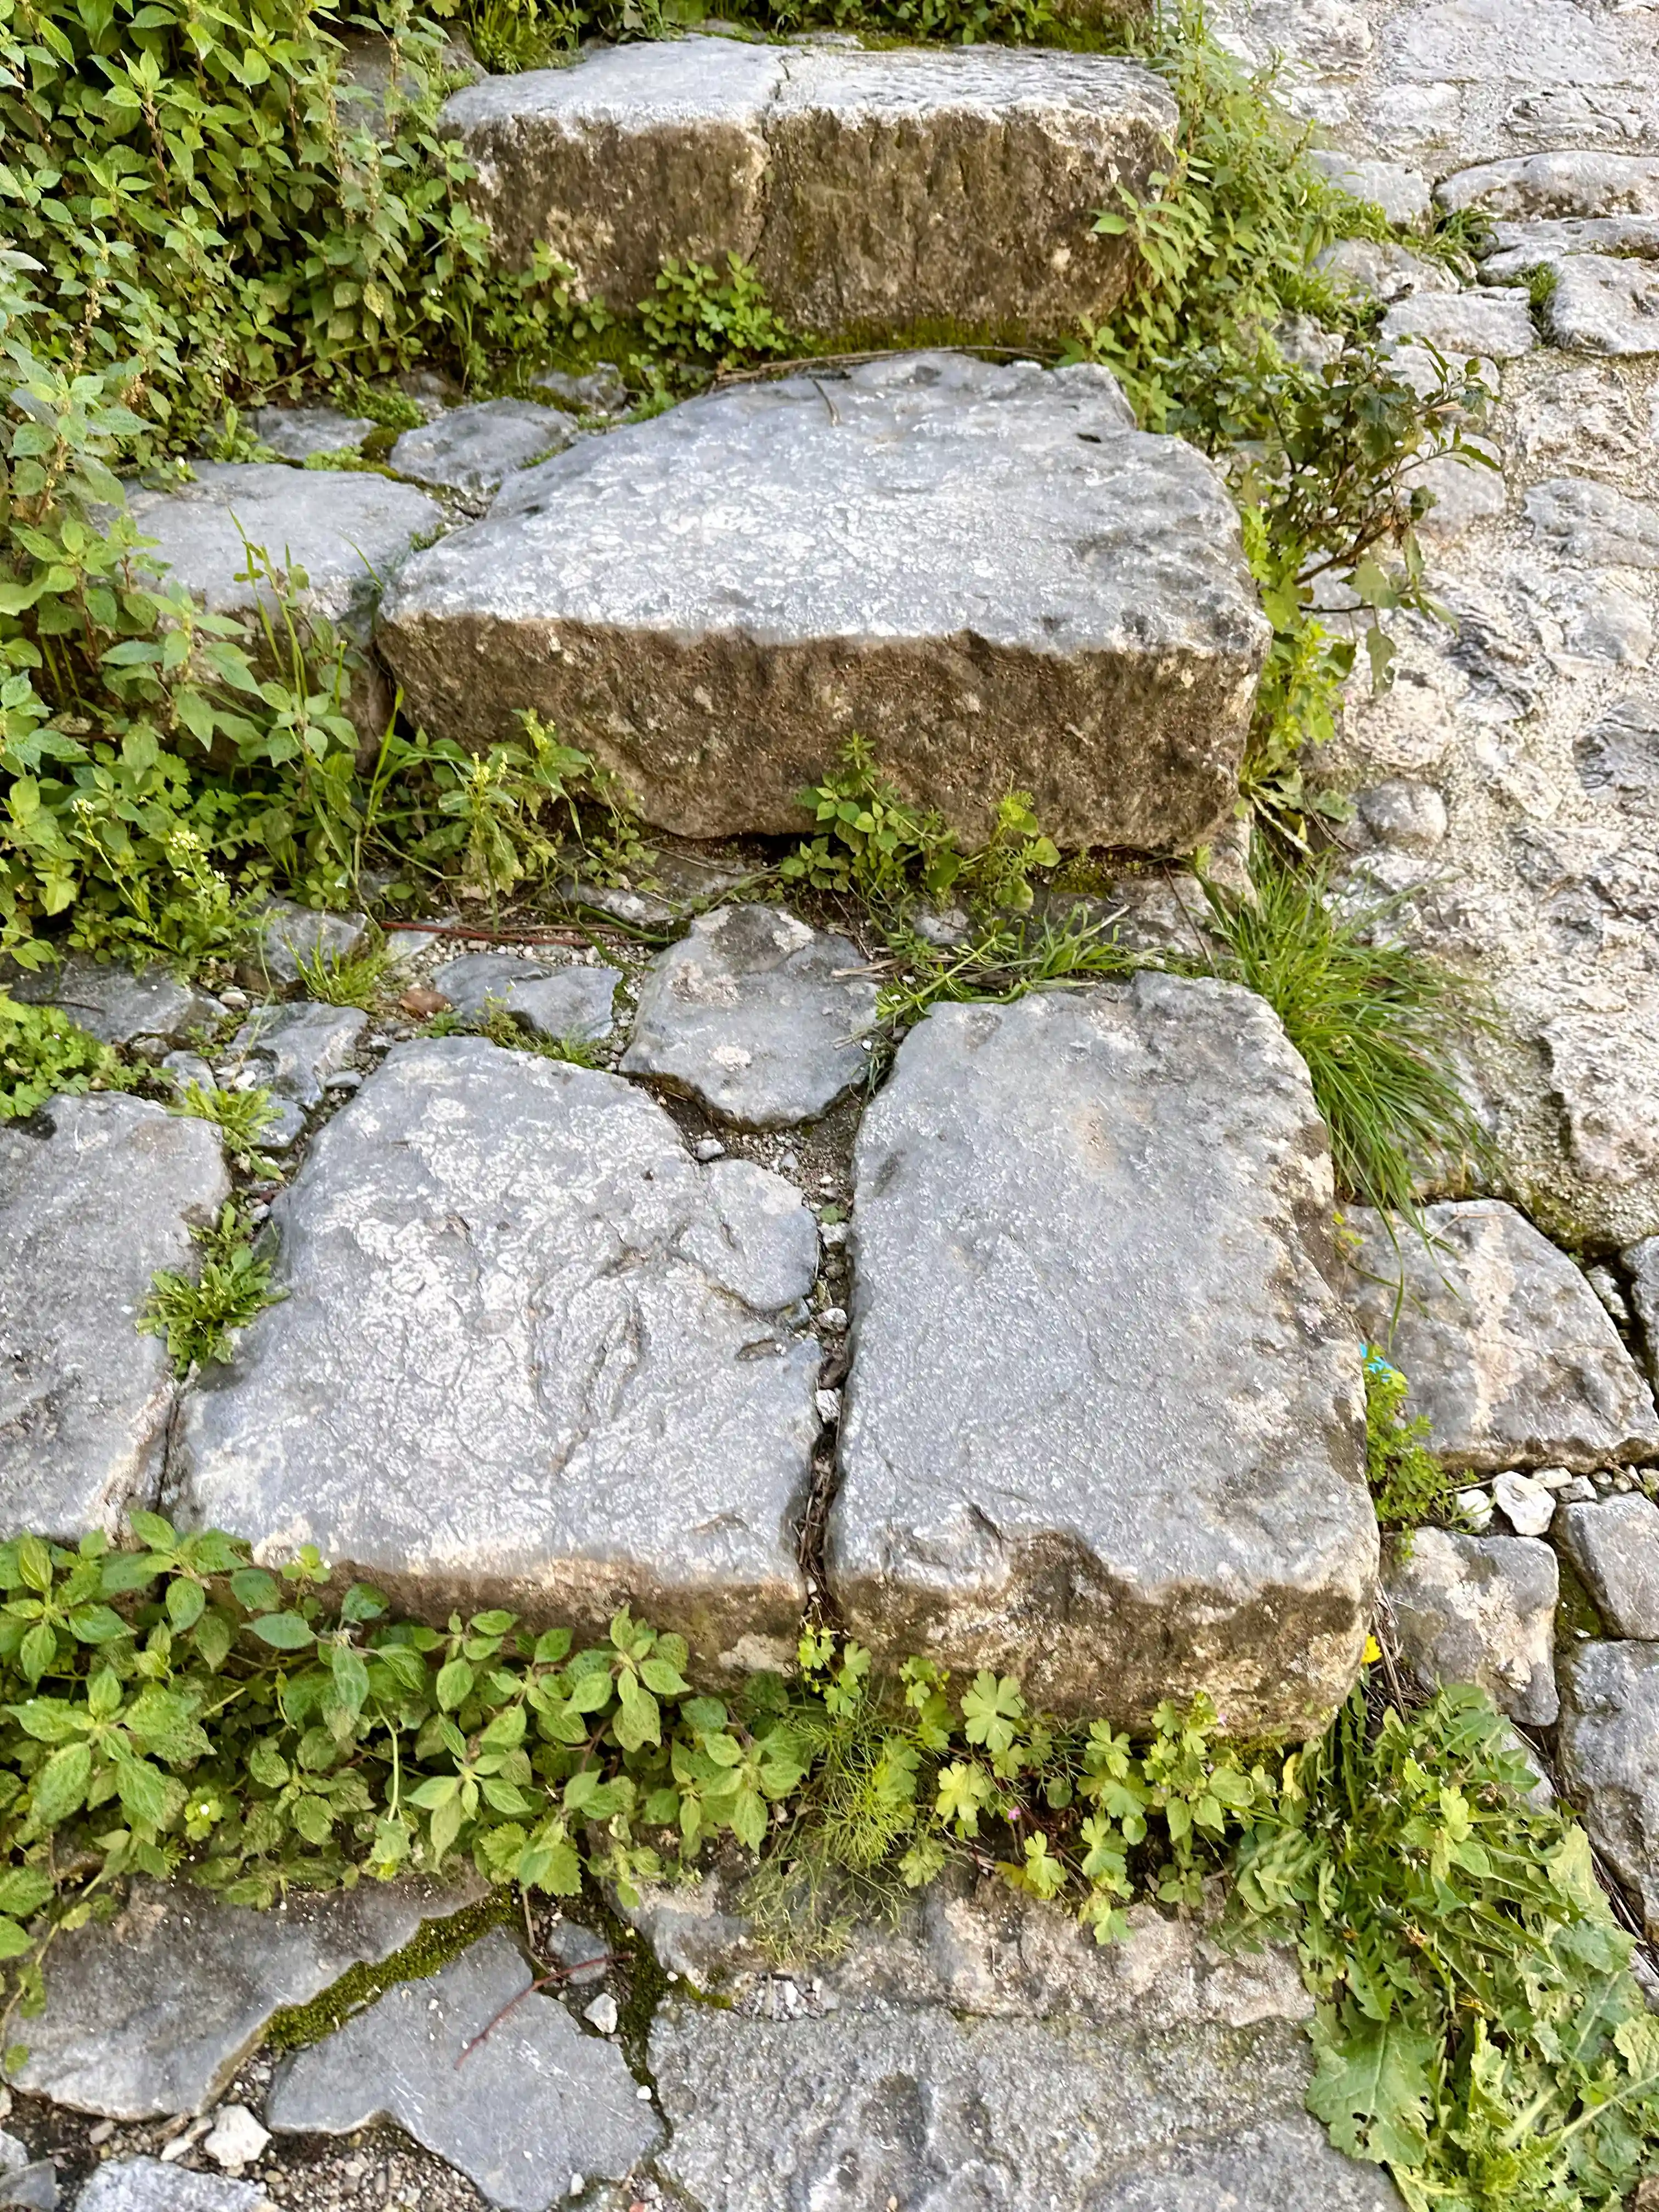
1609,1751
872,188
532,1355
94,1196
986,570
1104,1423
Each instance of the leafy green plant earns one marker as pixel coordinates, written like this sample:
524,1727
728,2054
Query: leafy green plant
241,1117
710,322
1408,1482
1000,964
1376,1022
198,1315
339,980
42,1052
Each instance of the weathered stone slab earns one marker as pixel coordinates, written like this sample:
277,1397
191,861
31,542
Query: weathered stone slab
757,1015
154,2011
473,450
1507,1348
289,1050
1614,1545
532,1355
1493,324
1155,2075
88,1213
1594,525
1479,1610
521,2110
297,433
1518,248
1603,305
145,2184
1642,1261
1401,193
116,1005
986,570
872,190
1609,1753
552,1001
347,528
288,935
1531,187
1090,1316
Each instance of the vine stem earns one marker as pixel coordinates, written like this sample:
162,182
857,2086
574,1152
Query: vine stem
542,1981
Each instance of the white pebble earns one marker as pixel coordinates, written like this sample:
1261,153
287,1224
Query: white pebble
1477,1504
643,2094
1529,1506
828,1405
833,1318
578,2183
603,2012
834,1234
708,1148
237,2138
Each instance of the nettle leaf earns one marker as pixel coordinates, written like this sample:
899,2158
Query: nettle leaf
60,1787
284,1632
24,1890
13,1940
455,1681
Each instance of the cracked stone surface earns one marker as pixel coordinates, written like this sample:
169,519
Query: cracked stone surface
757,1015
1609,1753
960,561
532,1355
980,2055
473,450
1507,1348
550,999
1614,1545
1479,1610
296,433
525,2110
145,2184
116,1006
95,1195
154,2011
287,934
289,1050
1091,1311
872,190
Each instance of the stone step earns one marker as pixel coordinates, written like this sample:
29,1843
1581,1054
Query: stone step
1105,1427
988,571
874,191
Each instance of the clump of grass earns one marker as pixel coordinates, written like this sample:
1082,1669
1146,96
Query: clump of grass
1373,1019
1001,965
336,979
241,1117
199,1317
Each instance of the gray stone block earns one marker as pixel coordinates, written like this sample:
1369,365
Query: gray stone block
1615,1548
107,998
1518,248
1609,1754
531,1355
154,2011
1506,1347
287,934
297,433
1401,193
289,1050
986,570
873,191
1492,324
1582,182
1603,304
88,1213
1642,1261
519,2111
555,1000
756,1015
1592,525
1090,1315
473,450
145,2184
1479,1610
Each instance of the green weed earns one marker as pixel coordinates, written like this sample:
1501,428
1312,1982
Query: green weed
335,980
241,1117
1407,1483
42,1053
712,322
1001,964
199,1315
1375,1022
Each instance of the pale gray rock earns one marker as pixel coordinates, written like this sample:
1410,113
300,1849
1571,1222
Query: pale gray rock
1592,523
1534,187
1383,269
111,1002
347,528
1614,1545
1618,755
288,934
1530,45
1505,1345
1090,1313
1479,1610
1601,304
290,1050
757,1015
146,2184
584,1955
1642,1261
1609,1757
602,391
473,450
1604,1070
1518,248
872,190
532,1355
1494,324
518,2112
1153,2075
1401,193
89,1212
551,999
154,2011
984,569
1399,813
1465,493
297,433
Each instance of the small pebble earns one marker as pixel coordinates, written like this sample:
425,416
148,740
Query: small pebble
578,2183
1477,1504
1529,1506
602,2013
834,1234
708,1148
237,2138
421,1002
833,1318
234,998
790,1163
1554,1478
643,2094
1624,1480
101,2133
343,1079
828,1403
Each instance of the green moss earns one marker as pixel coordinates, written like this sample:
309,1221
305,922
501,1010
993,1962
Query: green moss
1575,1617
432,1949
